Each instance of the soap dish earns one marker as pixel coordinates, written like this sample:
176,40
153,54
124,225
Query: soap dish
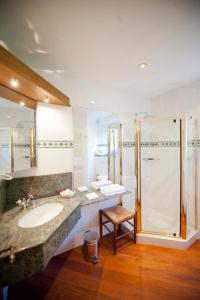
69,195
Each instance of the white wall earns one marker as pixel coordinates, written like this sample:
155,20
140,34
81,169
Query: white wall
184,101
91,146
53,124
123,103
80,146
181,101
81,92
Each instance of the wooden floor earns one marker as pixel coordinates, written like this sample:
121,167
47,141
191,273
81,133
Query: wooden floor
137,272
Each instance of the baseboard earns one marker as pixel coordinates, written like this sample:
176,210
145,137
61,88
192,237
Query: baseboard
168,242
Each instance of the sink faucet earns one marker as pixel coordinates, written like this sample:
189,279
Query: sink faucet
25,202
11,251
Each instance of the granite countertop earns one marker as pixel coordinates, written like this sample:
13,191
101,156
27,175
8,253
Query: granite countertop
24,238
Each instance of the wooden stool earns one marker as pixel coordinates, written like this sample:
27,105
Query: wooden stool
117,215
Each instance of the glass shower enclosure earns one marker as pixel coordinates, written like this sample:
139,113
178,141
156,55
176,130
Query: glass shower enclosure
165,170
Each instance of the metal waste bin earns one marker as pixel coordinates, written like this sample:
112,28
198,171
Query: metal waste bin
91,246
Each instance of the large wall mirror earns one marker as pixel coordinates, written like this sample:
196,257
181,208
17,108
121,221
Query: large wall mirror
17,137
96,146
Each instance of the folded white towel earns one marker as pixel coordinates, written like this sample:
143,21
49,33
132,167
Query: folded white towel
102,177
82,188
113,189
98,184
92,196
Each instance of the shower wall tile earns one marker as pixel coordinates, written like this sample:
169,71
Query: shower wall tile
128,164
166,131
101,165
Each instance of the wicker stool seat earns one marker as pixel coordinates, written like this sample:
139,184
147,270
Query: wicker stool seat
117,215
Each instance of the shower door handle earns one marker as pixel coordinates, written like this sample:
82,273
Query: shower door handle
150,159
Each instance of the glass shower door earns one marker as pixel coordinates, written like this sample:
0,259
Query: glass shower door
160,176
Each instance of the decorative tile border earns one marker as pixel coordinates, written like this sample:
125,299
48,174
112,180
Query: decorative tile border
42,144
161,144
128,144
102,145
6,145
70,144
191,143
54,144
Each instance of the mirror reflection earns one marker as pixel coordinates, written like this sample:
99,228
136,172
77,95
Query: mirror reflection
17,137
96,140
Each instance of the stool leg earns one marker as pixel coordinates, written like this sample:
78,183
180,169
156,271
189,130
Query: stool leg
115,240
119,230
134,233
100,223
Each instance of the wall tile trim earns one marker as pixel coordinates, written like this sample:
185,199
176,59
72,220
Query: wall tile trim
191,143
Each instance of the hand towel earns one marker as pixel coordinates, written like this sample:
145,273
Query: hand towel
92,196
113,189
98,184
102,177
82,188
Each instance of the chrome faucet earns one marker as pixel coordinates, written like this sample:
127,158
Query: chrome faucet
11,251
24,203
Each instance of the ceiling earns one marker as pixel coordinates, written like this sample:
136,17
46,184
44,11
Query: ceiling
103,42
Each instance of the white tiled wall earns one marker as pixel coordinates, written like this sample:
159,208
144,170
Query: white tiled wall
128,163
5,161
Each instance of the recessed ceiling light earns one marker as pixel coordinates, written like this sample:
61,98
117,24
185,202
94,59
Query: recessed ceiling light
46,100
142,65
41,51
22,103
14,82
8,116
92,102
48,71
60,71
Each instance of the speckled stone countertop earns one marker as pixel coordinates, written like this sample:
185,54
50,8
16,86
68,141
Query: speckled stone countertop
23,238
36,246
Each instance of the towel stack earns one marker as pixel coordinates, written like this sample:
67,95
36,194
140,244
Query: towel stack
100,183
92,196
102,177
113,189
82,189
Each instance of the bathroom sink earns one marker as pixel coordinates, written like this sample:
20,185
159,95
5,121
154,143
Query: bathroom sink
40,214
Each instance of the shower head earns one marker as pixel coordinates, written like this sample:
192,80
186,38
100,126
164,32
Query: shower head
142,115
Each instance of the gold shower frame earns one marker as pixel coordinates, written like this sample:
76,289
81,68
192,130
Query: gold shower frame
183,200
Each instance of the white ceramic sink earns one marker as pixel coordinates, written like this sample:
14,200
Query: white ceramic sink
40,214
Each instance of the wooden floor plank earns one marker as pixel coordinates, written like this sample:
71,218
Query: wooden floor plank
136,272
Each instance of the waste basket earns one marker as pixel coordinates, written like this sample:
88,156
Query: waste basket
91,246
